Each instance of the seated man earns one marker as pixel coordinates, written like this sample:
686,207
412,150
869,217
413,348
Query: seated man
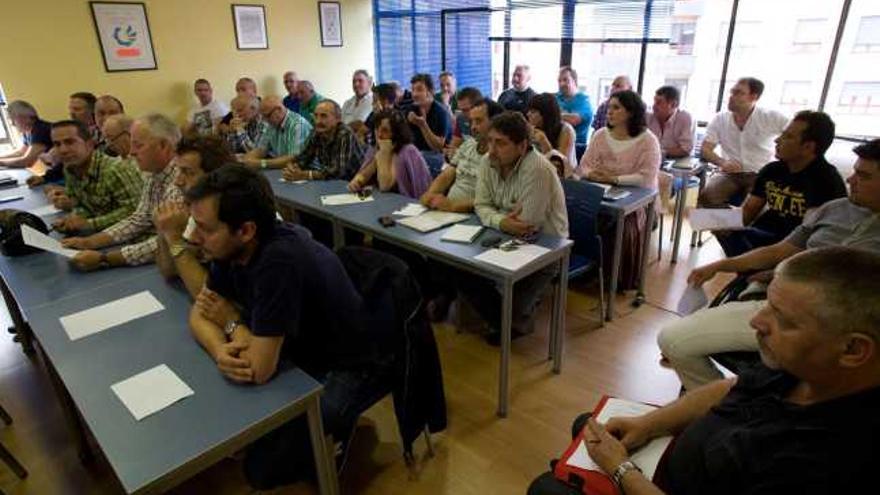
331,152
673,127
461,122
384,98
308,100
518,193
175,256
106,106
430,122
456,187
291,84
801,180
117,136
688,343
154,140
358,107
81,107
517,96
745,133
448,94
576,108
298,307
36,135
247,126
600,117
284,138
805,421
99,190
203,119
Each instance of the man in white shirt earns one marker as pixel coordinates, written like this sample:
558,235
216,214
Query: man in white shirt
745,133
359,106
204,118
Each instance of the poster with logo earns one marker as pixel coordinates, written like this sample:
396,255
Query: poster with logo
124,35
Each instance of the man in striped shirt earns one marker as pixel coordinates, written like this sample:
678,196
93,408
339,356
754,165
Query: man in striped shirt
284,138
99,190
153,143
332,151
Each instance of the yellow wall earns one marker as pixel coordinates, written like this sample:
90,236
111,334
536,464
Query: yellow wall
50,49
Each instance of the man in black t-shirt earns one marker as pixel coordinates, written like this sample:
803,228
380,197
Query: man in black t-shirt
806,421
801,180
36,135
296,306
516,98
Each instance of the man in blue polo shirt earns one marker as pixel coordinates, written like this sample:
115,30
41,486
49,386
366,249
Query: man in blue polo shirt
575,106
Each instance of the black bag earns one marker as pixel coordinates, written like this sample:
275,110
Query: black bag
11,243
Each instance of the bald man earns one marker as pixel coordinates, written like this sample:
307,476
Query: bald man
620,83
247,125
284,138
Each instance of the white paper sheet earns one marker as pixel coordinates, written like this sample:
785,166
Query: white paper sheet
512,260
151,391
282,179
410,210
432,220
692,299
343,199
39,240
10,199
716,219
45,210
111,314
646,458
462,233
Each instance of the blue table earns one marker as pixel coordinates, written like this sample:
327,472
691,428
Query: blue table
363,217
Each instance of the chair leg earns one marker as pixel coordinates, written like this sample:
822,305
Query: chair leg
428,442
601,297
13,463
660,239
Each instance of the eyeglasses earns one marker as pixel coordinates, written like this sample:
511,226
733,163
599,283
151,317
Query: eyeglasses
114,138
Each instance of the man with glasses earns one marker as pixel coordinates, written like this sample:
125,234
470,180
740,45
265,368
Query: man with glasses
284,138
117,135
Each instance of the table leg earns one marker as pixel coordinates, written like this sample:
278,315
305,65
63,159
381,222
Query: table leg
338,234
680,202
615,265
325,464
504,371
643,264
68,409
559,312
21,327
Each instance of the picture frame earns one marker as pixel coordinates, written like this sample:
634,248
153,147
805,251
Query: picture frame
251,32
330,17
124,36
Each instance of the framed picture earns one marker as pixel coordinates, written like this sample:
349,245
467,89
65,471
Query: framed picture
330,15
124,36
250,27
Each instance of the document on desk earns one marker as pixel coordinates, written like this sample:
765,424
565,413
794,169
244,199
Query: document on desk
646,458
716,219
109,315
151,391
432,220
692,299
35,238
45,210
512,260
462,233
410,210
343,199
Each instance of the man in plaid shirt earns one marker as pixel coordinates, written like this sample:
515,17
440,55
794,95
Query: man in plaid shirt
99,190
153,143
332,151
247,126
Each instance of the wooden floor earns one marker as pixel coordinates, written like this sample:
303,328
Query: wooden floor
478,454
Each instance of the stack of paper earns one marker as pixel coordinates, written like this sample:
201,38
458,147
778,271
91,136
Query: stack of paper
151,391
693,298
512,260
411,210
716,219
462,233
34,238
343,199
646,458
99,318
432,220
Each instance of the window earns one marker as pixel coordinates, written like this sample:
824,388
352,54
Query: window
868,37
808,34
860,98
713,93
746,37
796,95
682,37
680,83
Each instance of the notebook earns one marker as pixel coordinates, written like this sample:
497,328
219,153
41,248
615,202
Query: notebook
432,220
462,233
612,193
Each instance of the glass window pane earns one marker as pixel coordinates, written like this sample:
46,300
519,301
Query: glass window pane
542,57
854,95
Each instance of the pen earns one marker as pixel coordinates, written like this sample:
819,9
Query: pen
10,199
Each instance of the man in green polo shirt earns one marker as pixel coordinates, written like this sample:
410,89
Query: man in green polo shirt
284,138
308,100
100,190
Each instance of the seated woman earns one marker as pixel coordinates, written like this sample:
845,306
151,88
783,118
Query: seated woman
395,164
627,154
550,132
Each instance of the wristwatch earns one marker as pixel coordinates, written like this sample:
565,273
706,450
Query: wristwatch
263,164
229,328
620,472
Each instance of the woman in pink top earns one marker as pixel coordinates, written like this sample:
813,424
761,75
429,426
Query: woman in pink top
626,154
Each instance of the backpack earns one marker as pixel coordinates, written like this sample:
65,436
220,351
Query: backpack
11,242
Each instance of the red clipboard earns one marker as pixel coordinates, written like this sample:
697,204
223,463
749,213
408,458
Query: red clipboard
591,482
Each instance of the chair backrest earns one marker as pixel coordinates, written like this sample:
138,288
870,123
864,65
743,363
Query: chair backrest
582,201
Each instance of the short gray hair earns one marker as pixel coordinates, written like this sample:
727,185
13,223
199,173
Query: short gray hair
161,127
21,108
120,119
337,110
847,283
